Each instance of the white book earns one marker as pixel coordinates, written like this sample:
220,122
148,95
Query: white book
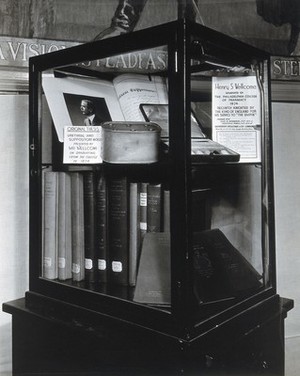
77,210
64,228
50,203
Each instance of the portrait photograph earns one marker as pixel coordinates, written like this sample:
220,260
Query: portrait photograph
65,95
77,103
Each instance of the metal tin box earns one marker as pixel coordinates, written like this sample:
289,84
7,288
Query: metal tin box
130,142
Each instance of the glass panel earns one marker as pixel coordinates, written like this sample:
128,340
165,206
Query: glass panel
118,189
227,231
106,193
227,173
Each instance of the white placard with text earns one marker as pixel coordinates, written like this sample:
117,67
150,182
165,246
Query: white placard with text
82,145
236,115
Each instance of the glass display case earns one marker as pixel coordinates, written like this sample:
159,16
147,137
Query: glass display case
151,180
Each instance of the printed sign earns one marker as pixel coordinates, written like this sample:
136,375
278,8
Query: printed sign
236,115
82,145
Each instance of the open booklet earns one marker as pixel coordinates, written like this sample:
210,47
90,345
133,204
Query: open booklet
116,100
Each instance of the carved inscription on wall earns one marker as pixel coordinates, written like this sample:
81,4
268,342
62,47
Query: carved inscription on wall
15,52
285,68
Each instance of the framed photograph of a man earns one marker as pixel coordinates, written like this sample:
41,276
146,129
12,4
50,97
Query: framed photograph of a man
86,110
80,101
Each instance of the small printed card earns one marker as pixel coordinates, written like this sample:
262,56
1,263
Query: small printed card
82,144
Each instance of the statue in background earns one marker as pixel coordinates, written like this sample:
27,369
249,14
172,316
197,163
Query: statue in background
279,12
128,13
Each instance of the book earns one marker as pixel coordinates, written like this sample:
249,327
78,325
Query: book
143,209
220,270
134,231
64,226
118,228
50,210
89,227
154,207
166,210
77,211
118,99
101,243
153,285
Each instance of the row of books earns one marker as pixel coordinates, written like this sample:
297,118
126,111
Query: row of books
94,225
108,229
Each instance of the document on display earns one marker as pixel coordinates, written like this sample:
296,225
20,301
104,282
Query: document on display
237,115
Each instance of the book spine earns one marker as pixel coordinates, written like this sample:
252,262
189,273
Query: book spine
166,210
64,231
101,227
154,208
89,227
50,267
143,209
118,230
77,211
134,232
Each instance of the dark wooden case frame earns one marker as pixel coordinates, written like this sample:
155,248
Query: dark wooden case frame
182,39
